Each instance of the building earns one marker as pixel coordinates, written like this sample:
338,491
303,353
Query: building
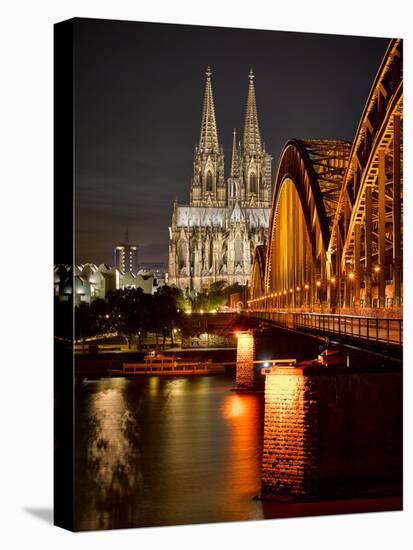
147,281
91,282
125,256
214,237
159,270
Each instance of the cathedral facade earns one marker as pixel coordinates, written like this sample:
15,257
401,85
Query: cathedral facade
214,237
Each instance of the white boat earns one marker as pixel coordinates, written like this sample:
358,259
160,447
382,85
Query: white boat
167,365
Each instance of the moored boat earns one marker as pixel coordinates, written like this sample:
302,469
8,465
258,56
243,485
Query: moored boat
167,365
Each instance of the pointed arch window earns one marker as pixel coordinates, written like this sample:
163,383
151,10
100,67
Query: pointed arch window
194,248
181,254
238,250
253,183
209,181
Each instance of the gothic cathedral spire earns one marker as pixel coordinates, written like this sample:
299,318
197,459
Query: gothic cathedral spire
208,183
234,186
208,141
255,188
252,138
235,156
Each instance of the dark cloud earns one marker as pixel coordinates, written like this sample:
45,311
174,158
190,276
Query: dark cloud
139,92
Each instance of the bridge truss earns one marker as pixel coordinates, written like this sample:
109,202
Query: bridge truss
335,235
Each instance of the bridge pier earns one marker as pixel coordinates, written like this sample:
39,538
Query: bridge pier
245,358
331,432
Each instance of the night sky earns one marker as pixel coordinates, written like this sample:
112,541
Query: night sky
139,90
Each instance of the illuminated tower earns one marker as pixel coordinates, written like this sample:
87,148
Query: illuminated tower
256,163
208,182
125,256
235,181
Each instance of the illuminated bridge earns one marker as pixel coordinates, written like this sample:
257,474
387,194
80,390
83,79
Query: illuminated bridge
333,260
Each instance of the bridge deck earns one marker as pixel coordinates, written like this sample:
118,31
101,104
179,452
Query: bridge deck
343,327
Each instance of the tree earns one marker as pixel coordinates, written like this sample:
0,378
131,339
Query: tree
100,312
166,312
126,312
85,325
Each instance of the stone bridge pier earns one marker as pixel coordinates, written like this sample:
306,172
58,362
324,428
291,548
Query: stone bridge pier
245,360
331,432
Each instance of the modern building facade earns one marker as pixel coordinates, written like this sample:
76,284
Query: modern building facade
158,269
125,256
91,282
214,237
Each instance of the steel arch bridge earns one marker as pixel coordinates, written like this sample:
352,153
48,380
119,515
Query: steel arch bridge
258,271
335,236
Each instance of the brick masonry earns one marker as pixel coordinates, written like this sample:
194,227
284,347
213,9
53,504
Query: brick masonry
245,358
331,433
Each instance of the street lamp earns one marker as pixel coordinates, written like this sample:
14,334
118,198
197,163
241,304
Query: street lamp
318,286
351,277
306,287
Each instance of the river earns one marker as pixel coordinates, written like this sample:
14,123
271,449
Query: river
166,452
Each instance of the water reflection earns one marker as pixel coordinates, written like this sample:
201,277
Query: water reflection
107,457
244,414
166,451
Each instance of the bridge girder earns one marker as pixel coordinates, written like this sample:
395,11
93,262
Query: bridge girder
368,213
258,271
348,201
315,169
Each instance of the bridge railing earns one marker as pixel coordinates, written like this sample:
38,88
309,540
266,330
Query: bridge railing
373,329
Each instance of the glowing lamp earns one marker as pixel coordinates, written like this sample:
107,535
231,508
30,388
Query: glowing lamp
351,275
318,283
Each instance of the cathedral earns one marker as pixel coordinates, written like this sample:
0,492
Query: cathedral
214,237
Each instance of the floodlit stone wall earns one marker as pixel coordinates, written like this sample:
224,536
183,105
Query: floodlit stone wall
245,358
331,433
289,454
